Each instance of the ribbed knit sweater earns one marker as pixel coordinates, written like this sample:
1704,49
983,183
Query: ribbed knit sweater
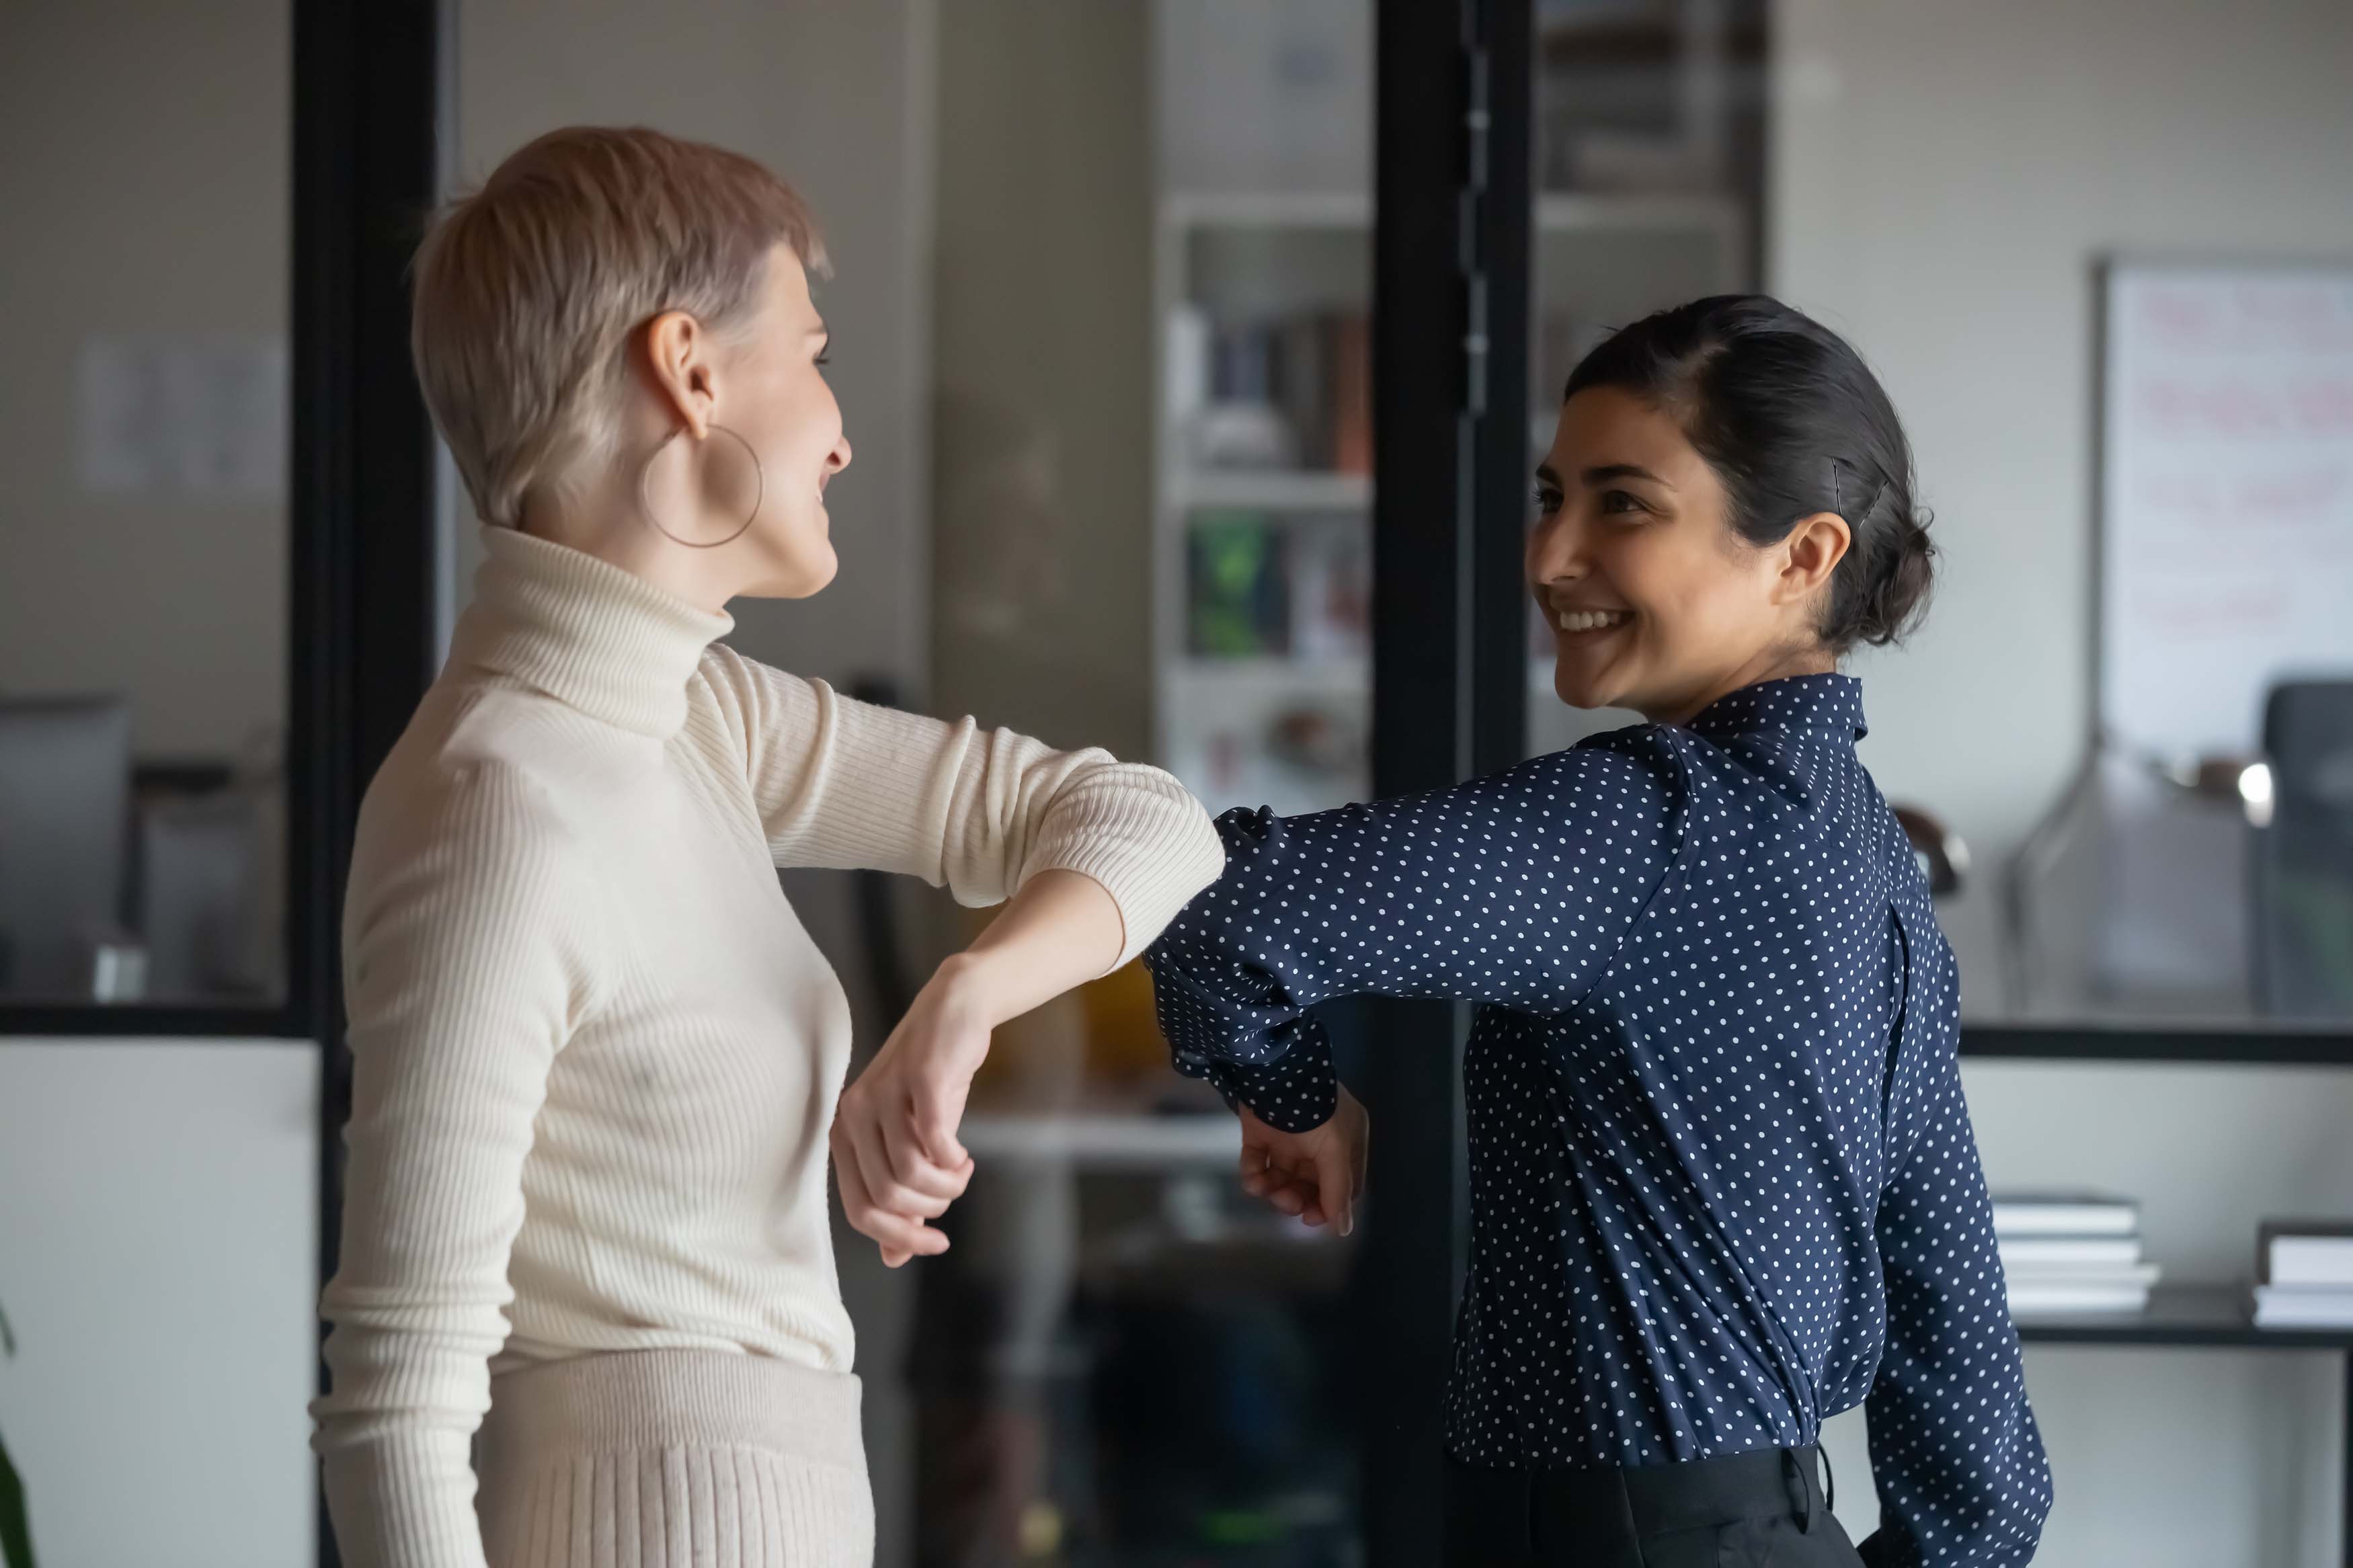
596,1053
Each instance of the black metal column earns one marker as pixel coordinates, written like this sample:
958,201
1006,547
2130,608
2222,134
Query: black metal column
1449,420
360,643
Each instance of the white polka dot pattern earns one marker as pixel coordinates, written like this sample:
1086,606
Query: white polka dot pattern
1722,1180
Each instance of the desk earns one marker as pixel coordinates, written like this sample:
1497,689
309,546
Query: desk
2185,1317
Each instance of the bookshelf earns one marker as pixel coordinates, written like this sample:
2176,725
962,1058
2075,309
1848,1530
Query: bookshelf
2185,1317
2250,1045
1274,491
1223,257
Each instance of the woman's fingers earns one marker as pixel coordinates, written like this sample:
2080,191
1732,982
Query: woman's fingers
916,1170
934,1108
898,1235
882,1183
1281,1183
1258,1178
1336,1183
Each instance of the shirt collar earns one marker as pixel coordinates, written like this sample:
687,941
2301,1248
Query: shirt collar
1811,702
585,632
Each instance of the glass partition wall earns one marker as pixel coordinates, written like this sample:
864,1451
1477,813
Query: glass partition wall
143,539
1152,496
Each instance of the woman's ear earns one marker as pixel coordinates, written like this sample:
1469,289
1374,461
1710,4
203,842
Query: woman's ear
677,366
1809,554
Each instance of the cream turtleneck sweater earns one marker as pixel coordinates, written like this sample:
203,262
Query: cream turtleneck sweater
596,1053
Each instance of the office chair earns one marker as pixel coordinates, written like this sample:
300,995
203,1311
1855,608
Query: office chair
65,786
2303,856
198,871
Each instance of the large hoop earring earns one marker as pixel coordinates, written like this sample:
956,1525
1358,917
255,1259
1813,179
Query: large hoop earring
645,503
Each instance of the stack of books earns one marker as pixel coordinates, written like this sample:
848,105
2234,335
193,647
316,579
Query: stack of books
2071,1253
2304,1273
1287,392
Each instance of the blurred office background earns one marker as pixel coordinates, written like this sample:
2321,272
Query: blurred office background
1106,343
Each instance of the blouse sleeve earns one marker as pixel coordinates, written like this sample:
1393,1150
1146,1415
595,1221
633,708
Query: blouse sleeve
1954,1447
1512,891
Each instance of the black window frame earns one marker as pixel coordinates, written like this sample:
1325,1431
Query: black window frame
1452,265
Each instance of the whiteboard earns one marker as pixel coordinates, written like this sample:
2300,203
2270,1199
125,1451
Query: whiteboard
2226,528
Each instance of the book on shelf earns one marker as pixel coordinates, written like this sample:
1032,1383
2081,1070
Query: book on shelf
2306,1252
2075,1253
1330,556
1290,585
2304,1306
2064,1213
1351,341
2069,1252
2041,1292
1284,392
1235,591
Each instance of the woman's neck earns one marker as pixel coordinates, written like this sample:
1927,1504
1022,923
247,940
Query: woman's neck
608,528
1768,664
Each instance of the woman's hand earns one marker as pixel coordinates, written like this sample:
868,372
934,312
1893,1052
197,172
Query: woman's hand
1316,1176
894,1135
894,1142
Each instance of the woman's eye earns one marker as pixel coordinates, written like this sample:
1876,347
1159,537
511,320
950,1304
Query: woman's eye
1621,501
1547,502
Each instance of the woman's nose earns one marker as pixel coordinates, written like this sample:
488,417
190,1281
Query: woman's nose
1553,553
839,458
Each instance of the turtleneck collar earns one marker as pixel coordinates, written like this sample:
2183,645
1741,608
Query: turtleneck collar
585,632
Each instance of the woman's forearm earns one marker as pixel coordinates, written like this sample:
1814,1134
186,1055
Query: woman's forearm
1062,930
894,1142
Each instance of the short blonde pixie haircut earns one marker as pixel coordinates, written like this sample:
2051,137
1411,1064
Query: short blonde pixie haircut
527,291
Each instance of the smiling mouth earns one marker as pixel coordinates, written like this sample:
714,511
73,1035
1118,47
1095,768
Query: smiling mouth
1592,620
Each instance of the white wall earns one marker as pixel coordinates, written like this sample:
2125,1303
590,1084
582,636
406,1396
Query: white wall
145,189
1944,176
158,1257
1041,597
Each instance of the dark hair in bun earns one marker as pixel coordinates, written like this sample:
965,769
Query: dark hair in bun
1793,423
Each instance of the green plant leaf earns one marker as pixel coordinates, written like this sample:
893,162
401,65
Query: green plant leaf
15,1529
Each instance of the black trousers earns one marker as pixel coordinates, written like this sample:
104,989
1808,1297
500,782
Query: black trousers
1747,1510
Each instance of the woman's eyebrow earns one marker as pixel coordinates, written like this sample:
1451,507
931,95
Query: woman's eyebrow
1609,472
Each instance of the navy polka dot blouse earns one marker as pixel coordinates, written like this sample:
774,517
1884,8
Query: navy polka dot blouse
1722,1182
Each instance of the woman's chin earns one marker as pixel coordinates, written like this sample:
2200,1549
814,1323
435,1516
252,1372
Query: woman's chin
797,572
1582,688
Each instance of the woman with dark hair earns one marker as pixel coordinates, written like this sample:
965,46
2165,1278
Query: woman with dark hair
1722,1180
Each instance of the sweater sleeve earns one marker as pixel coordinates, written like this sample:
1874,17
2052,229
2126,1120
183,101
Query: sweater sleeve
1954,1446
466,963
845,783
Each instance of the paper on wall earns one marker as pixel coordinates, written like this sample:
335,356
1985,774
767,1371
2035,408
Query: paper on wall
198,417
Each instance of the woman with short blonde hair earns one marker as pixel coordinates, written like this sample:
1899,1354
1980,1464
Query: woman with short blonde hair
597,1058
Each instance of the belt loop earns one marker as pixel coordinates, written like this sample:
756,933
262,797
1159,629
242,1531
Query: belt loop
1793,1474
